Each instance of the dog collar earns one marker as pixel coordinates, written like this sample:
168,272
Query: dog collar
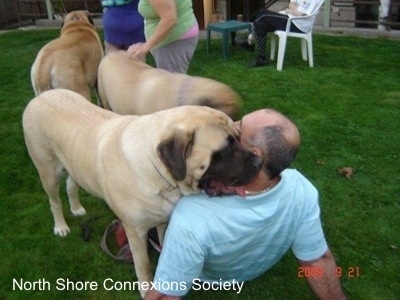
170,187
183,91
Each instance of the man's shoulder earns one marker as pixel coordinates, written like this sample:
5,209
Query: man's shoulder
190,203
295,179
193,211
200,206
293,174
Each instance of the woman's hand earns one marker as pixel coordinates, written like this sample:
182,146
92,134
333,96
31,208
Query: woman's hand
138,50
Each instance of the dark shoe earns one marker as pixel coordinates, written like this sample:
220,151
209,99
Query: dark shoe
259,62
242,43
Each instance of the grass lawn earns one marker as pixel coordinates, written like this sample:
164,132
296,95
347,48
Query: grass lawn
348,110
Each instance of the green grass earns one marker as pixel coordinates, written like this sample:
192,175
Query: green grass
347,109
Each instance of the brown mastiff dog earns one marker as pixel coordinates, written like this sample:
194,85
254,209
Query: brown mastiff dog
140,165
72,60
130,86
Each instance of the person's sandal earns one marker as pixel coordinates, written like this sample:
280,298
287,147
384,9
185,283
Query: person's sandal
118,237
117,232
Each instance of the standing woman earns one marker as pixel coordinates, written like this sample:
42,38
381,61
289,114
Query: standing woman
123,24
171,32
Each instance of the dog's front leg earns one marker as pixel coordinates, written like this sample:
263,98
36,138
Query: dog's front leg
72,189
138,246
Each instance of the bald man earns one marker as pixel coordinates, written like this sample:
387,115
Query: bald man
220,242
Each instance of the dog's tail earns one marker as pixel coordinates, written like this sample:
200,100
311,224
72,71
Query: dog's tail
40,76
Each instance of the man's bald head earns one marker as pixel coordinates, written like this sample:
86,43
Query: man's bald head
274,136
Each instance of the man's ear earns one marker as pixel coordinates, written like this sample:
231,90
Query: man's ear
257,152
174,150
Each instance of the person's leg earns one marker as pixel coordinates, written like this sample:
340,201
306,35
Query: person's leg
269,21
175,57
266,21
261,60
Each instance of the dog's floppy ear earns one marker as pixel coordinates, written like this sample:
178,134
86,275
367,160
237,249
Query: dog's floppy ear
89,17
174,151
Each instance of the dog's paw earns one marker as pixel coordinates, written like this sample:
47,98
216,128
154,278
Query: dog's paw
61,230
143,293
79,211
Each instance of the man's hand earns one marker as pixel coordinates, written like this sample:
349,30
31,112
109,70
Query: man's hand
156,295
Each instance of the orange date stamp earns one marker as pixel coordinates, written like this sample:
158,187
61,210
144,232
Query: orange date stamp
317,272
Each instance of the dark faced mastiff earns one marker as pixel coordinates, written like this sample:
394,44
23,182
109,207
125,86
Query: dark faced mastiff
140,165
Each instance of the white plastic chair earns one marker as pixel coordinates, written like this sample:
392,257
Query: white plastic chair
306,40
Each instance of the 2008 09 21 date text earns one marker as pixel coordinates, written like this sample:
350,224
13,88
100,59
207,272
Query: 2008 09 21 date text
315,272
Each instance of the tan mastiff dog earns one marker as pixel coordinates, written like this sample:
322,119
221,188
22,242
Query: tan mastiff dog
130,86
72,60
140,165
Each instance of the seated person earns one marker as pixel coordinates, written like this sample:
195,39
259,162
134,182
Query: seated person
269,21
240,236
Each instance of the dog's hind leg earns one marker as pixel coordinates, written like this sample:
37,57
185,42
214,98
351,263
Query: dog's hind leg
72,189
50,177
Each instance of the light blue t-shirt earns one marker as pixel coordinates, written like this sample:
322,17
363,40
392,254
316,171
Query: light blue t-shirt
231,238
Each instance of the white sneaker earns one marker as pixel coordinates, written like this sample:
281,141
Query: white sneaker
251,39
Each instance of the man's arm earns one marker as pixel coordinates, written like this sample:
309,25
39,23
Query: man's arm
327,286
156,295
